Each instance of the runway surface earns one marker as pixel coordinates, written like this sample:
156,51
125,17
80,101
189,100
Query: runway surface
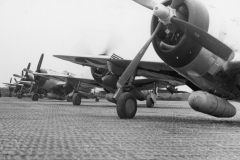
50,129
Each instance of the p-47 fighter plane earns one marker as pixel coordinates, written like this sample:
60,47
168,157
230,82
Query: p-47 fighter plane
27,82
194,40
106,71
62,85
11,86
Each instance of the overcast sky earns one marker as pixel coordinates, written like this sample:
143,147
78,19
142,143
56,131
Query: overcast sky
73,27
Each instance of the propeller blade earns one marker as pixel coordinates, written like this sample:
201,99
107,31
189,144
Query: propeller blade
28,67
27,70
147,3
15,75
203,38
176,3
22,73
40,63
15,80
11,80
134,63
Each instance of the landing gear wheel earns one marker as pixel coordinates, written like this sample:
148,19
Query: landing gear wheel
19,96
34,97
10,95
149,102
96,100
69,99
76,99
126,106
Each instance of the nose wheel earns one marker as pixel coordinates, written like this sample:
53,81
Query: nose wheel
126,106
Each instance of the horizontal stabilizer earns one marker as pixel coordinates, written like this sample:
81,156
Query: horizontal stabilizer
11,84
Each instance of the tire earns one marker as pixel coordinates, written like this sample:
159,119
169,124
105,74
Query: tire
69,99
76,100
96,100
34,97
19,96
149,102
10,95
126,106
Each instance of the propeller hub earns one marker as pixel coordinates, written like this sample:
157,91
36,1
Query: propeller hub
164,13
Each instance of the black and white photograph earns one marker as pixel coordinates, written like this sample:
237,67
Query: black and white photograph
119,80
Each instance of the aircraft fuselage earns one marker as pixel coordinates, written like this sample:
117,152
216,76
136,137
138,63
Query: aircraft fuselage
206,70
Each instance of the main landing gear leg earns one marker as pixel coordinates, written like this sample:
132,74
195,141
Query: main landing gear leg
126,101
76,99
20,95
126,106
34,95
75,96
152,97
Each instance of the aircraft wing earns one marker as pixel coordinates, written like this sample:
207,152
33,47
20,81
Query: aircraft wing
101,62
27,82
84,82
12,84
158,70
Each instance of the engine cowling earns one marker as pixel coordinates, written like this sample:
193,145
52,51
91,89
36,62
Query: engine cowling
211,105
98,73
183,49
55,96
40,81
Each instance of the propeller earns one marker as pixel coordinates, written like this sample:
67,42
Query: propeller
18,76
23,77
167,16
11,80
176,3
15,80
147,3
40,63
28,67
134,63
27,70
203,38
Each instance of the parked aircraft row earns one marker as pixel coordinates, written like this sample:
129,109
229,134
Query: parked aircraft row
199,48
40,83
61,86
